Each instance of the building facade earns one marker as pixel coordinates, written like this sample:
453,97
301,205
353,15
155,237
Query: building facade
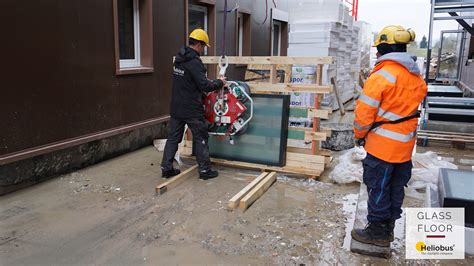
84,81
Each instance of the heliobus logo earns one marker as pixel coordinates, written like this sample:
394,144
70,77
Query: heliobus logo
434,233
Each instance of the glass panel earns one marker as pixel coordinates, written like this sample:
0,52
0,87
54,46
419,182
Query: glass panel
276,39
264,141
126,29
449,57
458,184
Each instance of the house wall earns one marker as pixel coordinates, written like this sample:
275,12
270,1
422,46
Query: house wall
60,91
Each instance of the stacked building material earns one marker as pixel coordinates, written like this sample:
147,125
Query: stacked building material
325,28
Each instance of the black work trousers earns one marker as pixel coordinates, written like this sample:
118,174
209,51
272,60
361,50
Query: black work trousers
385,184
200,142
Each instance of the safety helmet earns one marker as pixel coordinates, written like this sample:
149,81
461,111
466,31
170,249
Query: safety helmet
395,35
200,35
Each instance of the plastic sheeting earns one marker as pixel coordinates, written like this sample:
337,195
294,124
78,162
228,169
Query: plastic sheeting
424,174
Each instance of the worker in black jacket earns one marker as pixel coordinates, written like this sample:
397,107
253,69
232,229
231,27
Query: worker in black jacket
189,86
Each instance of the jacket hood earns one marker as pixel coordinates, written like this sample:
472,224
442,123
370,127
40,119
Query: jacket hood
185,54
404,59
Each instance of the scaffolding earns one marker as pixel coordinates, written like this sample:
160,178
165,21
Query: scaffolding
455,9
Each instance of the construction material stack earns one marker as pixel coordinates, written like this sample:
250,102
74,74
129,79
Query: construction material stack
325,28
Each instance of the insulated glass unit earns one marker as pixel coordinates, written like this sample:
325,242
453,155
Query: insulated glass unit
265,140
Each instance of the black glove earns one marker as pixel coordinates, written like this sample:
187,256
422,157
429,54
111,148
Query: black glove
360,142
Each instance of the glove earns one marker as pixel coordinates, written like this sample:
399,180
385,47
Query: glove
360,142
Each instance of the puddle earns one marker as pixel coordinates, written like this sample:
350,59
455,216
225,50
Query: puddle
349,207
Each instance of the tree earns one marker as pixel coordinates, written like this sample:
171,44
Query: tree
424,42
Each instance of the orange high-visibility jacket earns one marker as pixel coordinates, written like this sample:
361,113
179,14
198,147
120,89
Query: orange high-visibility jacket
393,90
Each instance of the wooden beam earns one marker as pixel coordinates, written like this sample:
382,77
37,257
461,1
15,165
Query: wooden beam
261,87
285,169
235,200
315,136
271,60
338,98
299,150
176,180
317,113
318,167
257,191
305,158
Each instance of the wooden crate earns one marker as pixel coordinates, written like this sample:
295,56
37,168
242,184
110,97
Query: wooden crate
299,160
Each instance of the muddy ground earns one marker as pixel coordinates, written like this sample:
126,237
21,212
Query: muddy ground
108,214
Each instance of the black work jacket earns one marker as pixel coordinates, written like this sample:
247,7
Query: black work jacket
189,85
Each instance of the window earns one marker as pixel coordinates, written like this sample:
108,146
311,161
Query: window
240,34
279,32
276,38
471,47
243,27
198,19
129,33
133,36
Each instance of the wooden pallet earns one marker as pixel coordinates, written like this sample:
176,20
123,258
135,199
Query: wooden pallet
299,161
456,139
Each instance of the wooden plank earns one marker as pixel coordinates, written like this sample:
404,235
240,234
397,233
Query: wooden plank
299,150
255,166
441,135
257,191
313,113
327,131
305,158
271,60
262,87
273,74
176,180
306,165
319,74
235,200
288,73
311,136
445,132
449,139
338,98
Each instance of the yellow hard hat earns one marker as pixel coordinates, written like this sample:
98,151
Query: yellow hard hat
200,35
395,35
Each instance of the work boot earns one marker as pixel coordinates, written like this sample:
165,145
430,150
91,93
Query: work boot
391,228
208,174
374,234
170,173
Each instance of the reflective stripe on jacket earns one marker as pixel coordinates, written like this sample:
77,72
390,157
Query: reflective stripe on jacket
393,90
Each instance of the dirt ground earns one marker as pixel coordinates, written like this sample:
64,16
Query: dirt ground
108,214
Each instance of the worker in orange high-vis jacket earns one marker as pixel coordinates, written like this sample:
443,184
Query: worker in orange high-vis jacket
385,124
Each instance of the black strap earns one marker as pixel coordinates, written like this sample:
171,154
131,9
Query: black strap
378,124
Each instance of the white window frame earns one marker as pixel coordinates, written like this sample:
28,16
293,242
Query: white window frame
240,36
131,63
201,9
280,24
